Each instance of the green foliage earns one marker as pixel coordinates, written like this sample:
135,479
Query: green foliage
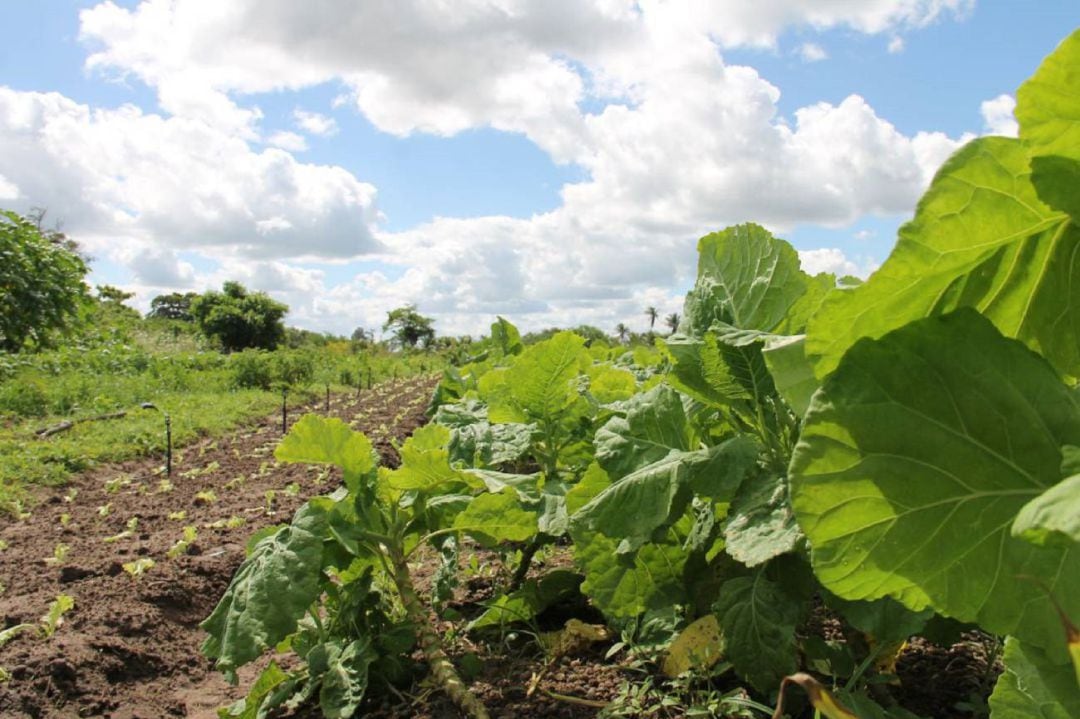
1032,686
409,327
41,284
238,319
173,306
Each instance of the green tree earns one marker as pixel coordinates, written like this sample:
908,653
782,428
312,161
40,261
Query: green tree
622,332
409,327
173,306
672,321
239,319
652,314
41,283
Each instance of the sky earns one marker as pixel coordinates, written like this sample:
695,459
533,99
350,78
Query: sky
550,161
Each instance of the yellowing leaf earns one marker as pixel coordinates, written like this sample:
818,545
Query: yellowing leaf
699,646
820,697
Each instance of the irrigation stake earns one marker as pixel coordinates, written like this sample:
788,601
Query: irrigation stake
168,435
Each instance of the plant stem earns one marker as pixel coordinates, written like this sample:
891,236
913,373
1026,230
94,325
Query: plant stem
439,663
523,566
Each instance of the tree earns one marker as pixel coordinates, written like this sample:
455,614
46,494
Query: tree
652,314
672,321
173,306
409,326
108,293
622,332
239,319
41,283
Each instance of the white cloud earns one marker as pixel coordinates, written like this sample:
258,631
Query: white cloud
896,45
315,123
682,144
812,52
829,259
177,182
8,190
998,117
287,141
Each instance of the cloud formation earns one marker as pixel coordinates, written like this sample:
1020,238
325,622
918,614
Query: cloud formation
672,140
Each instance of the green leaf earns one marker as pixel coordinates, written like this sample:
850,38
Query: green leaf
656,495
535,596
885,619
346,680
594,481
792,371
699,370
425,462
757,620
506,337
270,592
981,238
1053,517
746,278
624,586
251,706
1034,687
654,424
611,384
318,440
798,317
760,524
1048,110
914,459
497,518
541,383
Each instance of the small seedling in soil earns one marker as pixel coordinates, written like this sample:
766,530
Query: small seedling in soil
164,486
178,516
132,525
139,567
104,510
71,495
292,489
235,482
205,497
60,552
3,545
115,484
271,499
52,619
182,545
65,519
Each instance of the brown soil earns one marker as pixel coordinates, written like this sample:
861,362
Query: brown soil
130,646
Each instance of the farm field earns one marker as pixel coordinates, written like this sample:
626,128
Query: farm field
819,496
129,644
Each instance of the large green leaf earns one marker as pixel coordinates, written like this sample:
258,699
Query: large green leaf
757,621
885,619
497,518
981,238
1033,687
656,495
506,337
535,596
760,524
318,440
271,591
699,370
346,680
654,423
1053,517
792,371
1048,109
425,463
540,385
623,586
916,456
746,278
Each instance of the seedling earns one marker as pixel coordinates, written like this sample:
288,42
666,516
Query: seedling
165,486
71,495
178,516
104,510
3,545
207,496
139,567
114,485
65,519
270,496
292,489
52,619
182,545
60,552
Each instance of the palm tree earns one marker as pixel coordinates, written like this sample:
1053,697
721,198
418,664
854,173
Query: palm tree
652,314
622,332
672,321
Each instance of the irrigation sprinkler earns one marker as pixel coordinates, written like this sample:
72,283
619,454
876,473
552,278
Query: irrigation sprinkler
168,435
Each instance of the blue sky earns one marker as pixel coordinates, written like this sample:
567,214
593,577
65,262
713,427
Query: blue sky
555,170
